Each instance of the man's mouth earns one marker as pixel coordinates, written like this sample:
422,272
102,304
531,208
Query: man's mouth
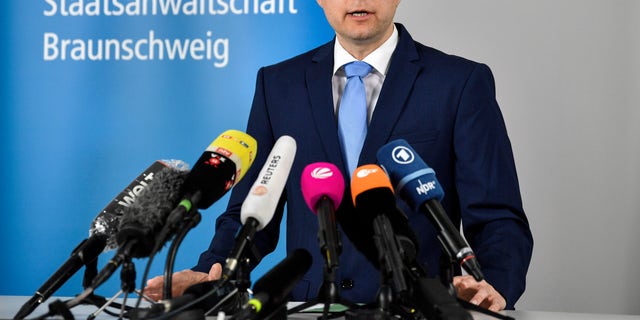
359,13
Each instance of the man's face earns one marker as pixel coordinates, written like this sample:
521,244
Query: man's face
360,22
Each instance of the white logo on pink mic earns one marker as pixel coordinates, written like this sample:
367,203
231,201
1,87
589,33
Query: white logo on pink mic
321,173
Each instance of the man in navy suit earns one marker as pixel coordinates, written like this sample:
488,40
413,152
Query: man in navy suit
443,105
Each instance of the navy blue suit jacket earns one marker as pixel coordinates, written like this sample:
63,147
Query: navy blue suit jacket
445,107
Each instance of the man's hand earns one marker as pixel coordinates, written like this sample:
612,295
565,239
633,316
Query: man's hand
479,293
181,281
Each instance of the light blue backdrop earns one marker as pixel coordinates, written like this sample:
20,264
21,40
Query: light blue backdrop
76,132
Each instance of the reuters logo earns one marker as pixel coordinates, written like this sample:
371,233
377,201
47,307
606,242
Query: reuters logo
402,155
259,190
321,173
363,173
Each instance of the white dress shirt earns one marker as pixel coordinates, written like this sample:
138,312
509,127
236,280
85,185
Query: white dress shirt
378,59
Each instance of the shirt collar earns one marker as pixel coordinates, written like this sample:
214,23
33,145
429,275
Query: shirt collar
379,59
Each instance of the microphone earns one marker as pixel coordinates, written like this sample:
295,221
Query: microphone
322,187
261,202
383,201
142,219
108,221
373,195
219,168
419,187
272,290
401,275
101,238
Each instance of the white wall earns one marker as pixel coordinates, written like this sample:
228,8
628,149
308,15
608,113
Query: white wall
568,81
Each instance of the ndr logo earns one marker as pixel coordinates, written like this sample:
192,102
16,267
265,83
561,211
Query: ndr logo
424,188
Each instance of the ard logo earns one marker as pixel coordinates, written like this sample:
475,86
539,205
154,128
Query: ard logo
402,155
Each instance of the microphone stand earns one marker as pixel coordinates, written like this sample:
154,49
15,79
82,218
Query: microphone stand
327,294
240,296
447,267
128,278
393,282
186,225
59,307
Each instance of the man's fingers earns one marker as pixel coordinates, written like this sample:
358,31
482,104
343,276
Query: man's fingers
154,288
480,297
155,281
466,287
479,293
215,272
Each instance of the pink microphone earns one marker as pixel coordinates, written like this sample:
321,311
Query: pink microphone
322,179
322,188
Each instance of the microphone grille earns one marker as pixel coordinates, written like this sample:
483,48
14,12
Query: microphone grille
322,179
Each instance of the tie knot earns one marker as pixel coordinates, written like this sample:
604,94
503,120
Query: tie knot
357,68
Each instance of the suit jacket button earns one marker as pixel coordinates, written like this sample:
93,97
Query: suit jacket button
346,284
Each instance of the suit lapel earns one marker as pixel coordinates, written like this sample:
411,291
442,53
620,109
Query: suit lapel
393,96
318,76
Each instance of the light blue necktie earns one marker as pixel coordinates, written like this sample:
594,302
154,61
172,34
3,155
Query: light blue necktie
352,113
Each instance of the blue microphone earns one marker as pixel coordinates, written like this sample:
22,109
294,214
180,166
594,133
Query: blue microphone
417,184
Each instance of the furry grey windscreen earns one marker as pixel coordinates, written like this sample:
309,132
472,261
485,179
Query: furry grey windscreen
147,215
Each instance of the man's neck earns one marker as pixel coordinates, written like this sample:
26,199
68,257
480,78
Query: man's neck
359,49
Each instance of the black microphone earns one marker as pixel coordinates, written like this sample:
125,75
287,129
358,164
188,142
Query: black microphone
272,290
101,238
108,221
260,204
219,168
358,224
418,185
141,221
372,195
322,187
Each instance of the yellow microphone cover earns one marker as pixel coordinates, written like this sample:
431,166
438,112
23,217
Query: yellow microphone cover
237,146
